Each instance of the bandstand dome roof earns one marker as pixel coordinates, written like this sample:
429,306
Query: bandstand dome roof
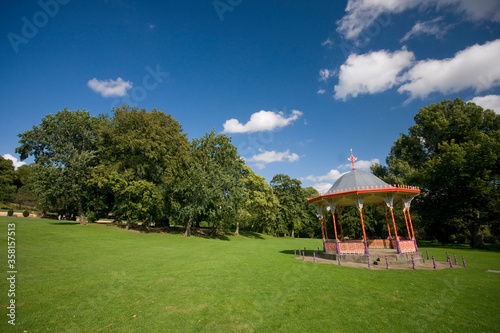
361,179
360,185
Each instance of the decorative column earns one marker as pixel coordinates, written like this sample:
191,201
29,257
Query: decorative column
387,221
407,203
322,231
326,230
395,230
340,223
411,225
389,199
406,221
360,208
333,205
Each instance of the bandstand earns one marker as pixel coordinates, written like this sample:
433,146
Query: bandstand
359,188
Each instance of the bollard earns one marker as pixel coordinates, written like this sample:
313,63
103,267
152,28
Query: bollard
369,264
427,254
338,257
386,262
463,260
314,256
434,261
295,253
455,257
451,264
413,261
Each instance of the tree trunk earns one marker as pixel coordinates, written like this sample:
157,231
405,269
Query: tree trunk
188,227
129,222
83,219
237,232
477,237
293,233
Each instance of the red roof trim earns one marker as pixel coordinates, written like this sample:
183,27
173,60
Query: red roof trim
339,193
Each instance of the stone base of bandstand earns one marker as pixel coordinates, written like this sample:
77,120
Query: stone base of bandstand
377,257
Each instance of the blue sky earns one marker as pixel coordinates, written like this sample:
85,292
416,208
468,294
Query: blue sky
296,84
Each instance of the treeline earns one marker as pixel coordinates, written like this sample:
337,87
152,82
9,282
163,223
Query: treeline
139,167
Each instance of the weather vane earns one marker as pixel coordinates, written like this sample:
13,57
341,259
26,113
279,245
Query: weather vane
352,159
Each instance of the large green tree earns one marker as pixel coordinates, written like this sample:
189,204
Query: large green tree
259,208
142,156
453,152
291,198
211,188
7,180
64,149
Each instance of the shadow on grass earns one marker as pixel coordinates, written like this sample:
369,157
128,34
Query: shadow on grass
251,235
309,252
65,223
208,233
430,244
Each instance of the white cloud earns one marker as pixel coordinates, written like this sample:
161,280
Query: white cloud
478,10
322,187
477,67
110,88
491,102
266,157
325,74
261,121
434,27
361,14
14,160
321,91
371,73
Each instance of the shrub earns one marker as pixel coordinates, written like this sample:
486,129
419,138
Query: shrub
10,212
26,213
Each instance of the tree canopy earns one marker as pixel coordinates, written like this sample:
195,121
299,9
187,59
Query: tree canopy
64,149
453,153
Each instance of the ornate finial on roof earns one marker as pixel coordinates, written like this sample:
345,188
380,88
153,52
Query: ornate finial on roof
352,159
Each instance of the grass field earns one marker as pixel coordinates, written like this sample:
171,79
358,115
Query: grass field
73,278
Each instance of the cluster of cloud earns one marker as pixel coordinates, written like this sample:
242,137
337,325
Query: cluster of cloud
265,121
110,88
371,73
266,157
361,14
261,121
476,67
324,183
14,160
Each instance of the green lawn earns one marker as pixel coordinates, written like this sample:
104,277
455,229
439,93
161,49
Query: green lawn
73,278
